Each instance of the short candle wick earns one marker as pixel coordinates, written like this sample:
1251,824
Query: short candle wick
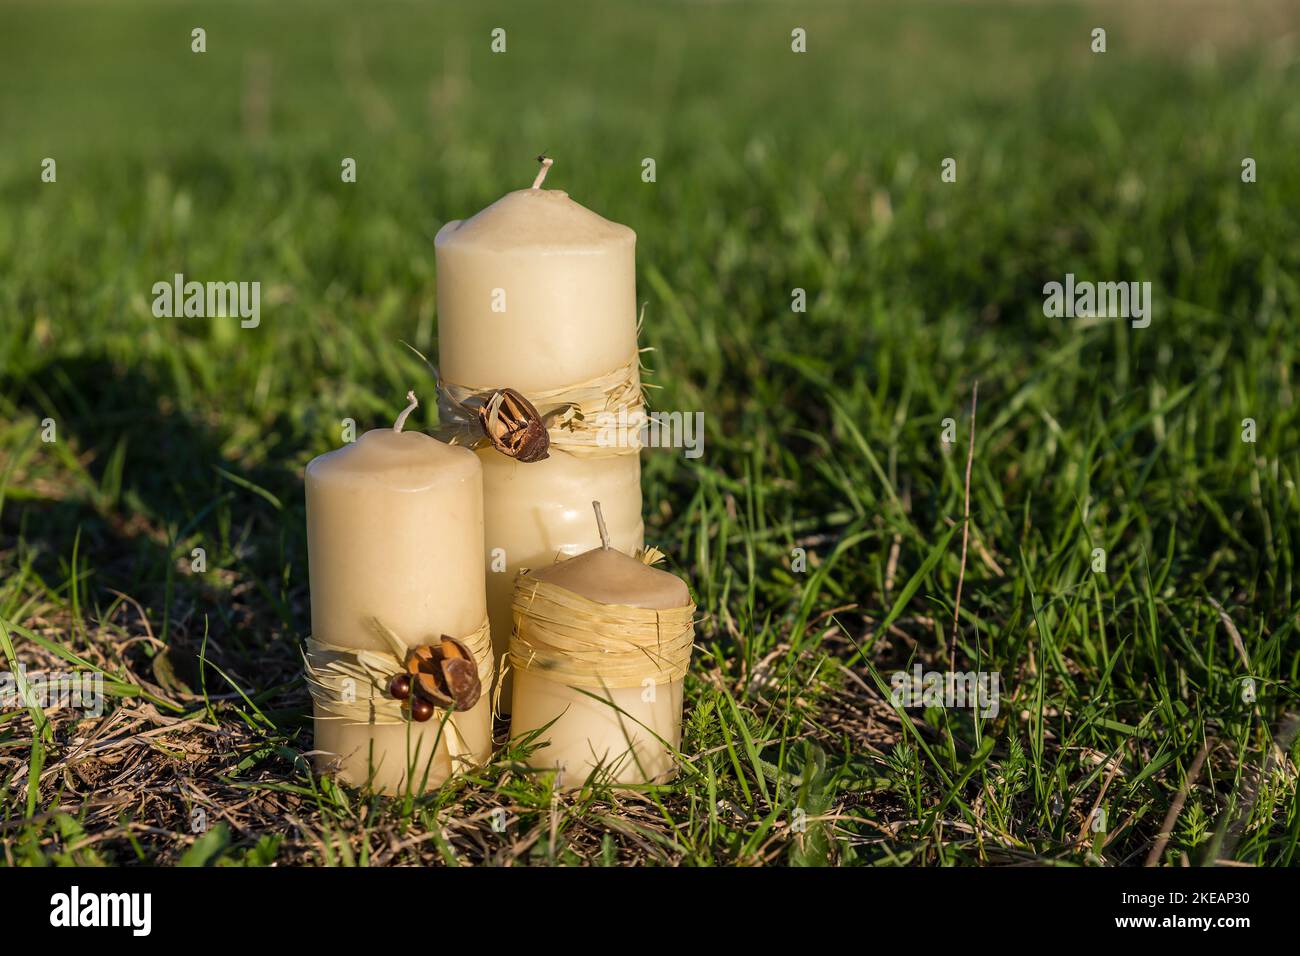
600,524
413,404
546,162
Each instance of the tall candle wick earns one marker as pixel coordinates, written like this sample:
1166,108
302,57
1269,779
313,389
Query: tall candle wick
413,404
600,524
546,162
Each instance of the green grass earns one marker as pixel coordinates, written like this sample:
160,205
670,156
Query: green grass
775,171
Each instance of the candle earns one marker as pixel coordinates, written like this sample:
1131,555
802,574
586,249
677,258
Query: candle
537,293
395,555
599,652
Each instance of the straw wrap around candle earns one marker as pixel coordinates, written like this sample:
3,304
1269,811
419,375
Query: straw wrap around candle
575,416
582,643
368,700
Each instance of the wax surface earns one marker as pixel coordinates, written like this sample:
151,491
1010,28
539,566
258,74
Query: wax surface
395,532
608,576
539,513
590,731
569,282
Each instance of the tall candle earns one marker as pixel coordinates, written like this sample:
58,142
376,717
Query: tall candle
595,719
395,534
536,293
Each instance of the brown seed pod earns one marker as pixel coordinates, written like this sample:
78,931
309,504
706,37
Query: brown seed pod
460,671
514,426
421,709
430,688
421,658
461,678
442,675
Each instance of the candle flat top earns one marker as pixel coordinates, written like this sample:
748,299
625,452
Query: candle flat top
401,461
611,577
535,219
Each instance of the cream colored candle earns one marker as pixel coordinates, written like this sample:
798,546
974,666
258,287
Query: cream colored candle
395,534
538,293
613,707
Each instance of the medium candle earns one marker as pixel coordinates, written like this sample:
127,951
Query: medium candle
538,293
395,538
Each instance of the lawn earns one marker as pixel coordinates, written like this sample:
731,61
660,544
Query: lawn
1128,569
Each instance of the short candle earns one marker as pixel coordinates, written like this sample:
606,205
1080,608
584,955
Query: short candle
612,687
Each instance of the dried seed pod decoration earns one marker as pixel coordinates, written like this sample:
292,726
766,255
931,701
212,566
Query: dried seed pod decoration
428,687
420,659
460,673
514,426
442,675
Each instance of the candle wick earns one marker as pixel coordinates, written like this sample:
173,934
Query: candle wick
546,162
413,404
600,524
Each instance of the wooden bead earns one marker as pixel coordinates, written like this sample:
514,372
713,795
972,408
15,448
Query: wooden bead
421,709
400,686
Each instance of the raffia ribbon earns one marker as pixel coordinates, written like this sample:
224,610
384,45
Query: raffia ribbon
582,643
580,419
366,700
